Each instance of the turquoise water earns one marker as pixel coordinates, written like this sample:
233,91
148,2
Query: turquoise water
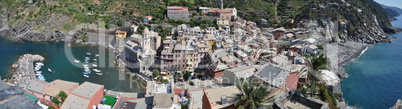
56,59
375,79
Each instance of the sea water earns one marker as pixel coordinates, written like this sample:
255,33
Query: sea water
375,78
56,58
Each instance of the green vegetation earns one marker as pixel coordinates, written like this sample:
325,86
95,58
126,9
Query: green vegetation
187,75
318,62
155,73
59,99
277,12
253,95
327,96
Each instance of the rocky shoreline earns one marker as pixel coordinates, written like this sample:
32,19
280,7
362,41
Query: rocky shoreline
339,55
22,71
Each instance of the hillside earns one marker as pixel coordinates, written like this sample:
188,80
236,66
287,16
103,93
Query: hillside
392,10
47,20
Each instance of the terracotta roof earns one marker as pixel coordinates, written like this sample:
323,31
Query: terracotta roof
119,31
178,91
180,8
220,10
291,81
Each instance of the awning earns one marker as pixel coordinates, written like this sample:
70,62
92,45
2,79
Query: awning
33,98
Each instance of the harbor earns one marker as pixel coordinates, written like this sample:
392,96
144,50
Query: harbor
62,68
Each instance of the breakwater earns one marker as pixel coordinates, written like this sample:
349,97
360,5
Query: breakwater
22,71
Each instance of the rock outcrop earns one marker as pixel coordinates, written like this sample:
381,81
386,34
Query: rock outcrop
12,97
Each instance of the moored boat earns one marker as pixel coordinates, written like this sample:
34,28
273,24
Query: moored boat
85,73
86,76
76,61
41,77
97,70
99,74
38,72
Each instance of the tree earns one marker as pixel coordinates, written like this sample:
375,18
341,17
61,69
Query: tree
187,75
155,73
62,95
56,101
176,76
319,62
253,95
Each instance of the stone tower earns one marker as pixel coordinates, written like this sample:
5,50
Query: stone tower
221,4
146,40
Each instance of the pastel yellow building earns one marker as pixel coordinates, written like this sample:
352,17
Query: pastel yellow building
122,34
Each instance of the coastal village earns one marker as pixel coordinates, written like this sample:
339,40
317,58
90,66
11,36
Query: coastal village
205,67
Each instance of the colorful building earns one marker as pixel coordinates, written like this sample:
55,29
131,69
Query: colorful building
85,96
174,12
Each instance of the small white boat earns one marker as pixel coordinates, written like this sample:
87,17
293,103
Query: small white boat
99,74
97,70
37,68
85,65
76,61
50,70
39,64
95,59
88,53
38,72
86,76
94,65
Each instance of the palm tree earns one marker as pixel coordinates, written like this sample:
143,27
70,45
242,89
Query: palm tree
318,62
253,95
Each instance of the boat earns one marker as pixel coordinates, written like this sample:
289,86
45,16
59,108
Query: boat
94,65
95,59
96,55
88,53
37,68
48,69
86,73
41,77
86,76
39,64
99,74
76,61
97,70
38,72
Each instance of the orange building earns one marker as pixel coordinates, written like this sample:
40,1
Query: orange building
87,95
222,13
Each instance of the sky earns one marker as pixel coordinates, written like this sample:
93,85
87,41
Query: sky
394,3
